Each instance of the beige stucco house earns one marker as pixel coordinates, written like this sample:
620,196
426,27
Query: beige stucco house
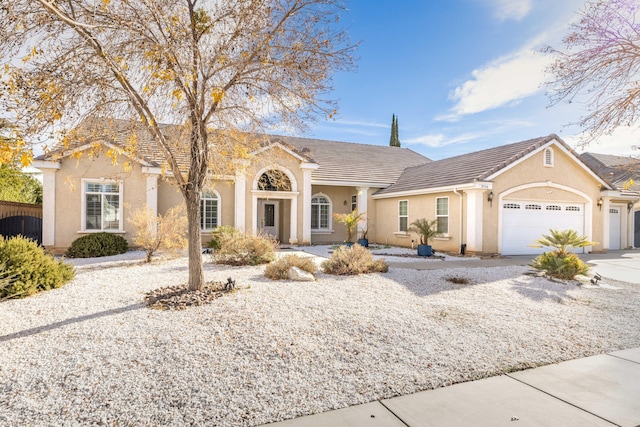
493,201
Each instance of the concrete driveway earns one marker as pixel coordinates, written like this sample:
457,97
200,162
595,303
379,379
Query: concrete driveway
617,265
623,266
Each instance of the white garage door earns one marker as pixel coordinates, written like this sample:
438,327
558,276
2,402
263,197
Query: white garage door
523,222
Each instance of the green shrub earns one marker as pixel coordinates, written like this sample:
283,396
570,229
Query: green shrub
561,263
562,267
223,232
236,248
27,269
278,269
353,260
97,245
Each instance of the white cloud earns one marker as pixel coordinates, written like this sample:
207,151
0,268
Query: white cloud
620,143
505,81
362,123
440,140
510,9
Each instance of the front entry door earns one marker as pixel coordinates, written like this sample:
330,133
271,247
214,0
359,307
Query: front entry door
268,215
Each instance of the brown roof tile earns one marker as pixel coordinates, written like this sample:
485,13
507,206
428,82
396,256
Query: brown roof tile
466,168
338,161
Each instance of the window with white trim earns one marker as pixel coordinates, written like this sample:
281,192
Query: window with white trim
548,157
209,210
320,213
354,202
442,214
403,215
101,204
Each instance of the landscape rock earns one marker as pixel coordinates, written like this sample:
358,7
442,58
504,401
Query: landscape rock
299,275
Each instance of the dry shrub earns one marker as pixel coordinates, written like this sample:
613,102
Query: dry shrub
158,232
458,280
353,260
245,249
278,269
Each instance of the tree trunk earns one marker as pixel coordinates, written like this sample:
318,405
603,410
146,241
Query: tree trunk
196,276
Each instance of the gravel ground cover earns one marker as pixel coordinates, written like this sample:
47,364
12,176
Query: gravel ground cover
92,353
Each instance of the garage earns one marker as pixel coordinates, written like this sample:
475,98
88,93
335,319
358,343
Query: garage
525,221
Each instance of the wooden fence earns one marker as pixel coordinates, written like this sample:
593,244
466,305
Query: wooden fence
21,219
8,209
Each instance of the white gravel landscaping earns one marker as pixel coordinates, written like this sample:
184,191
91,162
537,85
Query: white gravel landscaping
91,352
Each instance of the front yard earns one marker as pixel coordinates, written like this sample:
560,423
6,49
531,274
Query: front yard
93,353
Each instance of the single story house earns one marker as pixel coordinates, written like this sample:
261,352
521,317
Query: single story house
493,201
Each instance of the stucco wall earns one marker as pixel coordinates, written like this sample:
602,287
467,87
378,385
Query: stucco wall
423,206
337,196
68,196
581,187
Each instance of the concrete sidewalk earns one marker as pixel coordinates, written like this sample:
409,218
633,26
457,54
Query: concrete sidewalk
601,390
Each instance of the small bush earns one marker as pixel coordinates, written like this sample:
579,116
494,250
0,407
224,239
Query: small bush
97,245
353,260
27,269
158,232
224,232
236,248
457,280
278,269
565,267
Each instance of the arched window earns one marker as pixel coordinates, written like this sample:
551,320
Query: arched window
320,212
274,180
209,210
548,157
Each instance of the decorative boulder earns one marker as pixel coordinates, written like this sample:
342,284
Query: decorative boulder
299,275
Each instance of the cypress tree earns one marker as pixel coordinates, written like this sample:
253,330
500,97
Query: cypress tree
394,141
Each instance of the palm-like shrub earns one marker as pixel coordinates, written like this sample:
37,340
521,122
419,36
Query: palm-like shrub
350,221
426,229
562,241
278,269
560,262
353,260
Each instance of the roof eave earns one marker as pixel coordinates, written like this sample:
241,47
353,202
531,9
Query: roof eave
474,185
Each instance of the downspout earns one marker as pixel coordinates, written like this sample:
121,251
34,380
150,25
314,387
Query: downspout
460,226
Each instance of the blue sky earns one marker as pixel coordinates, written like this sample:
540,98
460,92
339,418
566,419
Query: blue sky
461,75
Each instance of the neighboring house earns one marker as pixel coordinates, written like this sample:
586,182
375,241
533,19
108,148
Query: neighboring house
493,201
624,174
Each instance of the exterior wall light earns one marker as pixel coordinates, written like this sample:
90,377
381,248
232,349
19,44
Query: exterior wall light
629,206
490,198
600,203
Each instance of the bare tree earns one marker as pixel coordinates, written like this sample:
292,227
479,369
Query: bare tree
197,64
600,65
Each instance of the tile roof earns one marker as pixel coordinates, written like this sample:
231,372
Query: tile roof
615,169
338,162
352,162
466,168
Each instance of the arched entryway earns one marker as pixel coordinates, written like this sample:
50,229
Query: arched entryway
275,204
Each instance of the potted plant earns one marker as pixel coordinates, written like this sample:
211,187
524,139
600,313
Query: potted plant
350,221
427,229
364,240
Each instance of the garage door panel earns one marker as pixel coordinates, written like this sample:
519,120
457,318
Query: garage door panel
525,221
